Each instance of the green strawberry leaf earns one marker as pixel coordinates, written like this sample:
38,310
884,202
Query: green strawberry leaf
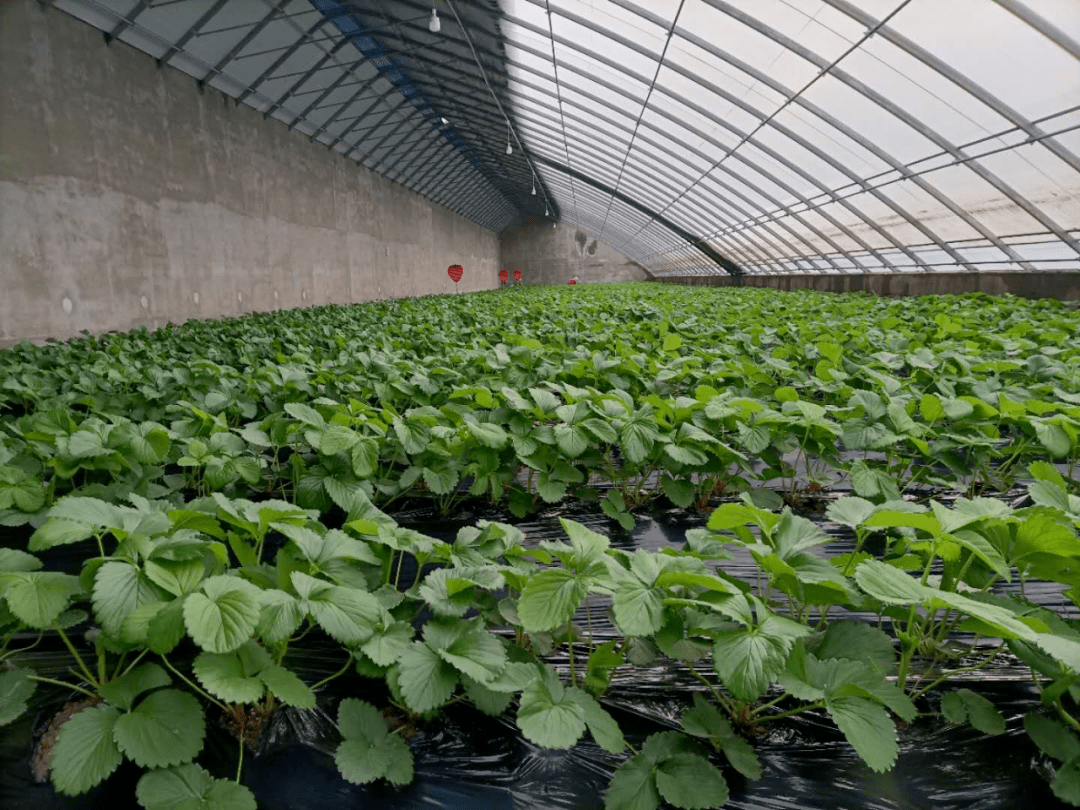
549,599
633,787
122,692
166,728
191,788
224,615
16,689
85,752
287,687
867,726
964,706
549,715
369,751
691,782
38,598
426,680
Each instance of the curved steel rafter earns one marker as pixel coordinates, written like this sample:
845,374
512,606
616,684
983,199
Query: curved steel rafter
640,126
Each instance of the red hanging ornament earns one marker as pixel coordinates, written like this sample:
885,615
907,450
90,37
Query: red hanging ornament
517,275
455,272
572,281
504,276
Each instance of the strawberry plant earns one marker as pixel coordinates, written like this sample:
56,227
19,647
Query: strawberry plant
225,489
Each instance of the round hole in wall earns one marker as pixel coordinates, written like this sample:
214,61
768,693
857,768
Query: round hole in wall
143,301
67,305
195,296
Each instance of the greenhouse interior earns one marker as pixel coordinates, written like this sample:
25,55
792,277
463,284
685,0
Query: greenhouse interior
539,404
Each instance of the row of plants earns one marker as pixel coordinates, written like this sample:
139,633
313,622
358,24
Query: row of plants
193,611
656,391
224,490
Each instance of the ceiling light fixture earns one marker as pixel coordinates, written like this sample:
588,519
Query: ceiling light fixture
509,148
534,186
434,24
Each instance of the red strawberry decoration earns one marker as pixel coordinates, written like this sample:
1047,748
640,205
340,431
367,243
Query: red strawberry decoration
517,275
504,276
455,272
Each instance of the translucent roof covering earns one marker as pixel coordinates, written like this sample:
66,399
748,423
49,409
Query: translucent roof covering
696,136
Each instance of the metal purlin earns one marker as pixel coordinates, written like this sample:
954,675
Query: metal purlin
648,94
344,19
745,137
220,67
681,32
193,31
247,39
427,59
531,173
483,75
734,194
998,106
708,114
410,51
562,116
756,237
772,216
885,104
602,102
464,208
948,72
396,26
685,236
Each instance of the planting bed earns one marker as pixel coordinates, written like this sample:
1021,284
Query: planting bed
670,546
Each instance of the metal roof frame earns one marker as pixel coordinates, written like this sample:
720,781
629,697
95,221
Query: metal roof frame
627,136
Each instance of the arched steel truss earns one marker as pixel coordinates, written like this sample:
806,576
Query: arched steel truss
697,136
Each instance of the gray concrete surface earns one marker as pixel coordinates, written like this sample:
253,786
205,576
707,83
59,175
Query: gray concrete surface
1064,286
547,255
128,198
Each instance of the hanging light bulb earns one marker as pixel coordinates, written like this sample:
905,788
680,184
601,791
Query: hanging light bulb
534,188
546,212
434,24
509,149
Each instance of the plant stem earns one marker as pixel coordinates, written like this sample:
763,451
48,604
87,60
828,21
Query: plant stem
765,706
82,664
66,685
978,665
9,653
138,658
791,712
573,673
180,675
729,707
1068,718
329,678
860,538
240,763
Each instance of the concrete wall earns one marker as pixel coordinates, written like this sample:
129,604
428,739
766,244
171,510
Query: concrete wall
128,198
1064,286
549,255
